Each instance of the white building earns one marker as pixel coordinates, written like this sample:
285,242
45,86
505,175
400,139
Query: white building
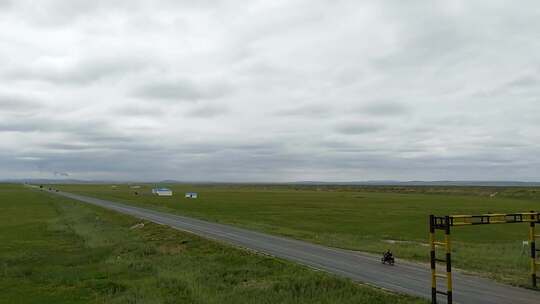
192,195
162,192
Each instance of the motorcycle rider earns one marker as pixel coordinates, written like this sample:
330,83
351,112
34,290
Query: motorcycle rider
388,255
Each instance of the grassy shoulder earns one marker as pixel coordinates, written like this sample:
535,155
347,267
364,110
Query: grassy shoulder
359,220
54,250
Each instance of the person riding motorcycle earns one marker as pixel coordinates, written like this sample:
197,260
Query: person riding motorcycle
388,256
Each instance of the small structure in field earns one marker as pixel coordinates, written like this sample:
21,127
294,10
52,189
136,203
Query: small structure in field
135,187
192,195
162,192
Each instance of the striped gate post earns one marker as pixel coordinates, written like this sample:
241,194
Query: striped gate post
532,242
448,261
432,259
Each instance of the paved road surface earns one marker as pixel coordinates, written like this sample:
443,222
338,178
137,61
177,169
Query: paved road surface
404,277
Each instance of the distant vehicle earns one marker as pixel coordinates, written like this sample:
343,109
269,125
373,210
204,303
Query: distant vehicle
191,195
162,192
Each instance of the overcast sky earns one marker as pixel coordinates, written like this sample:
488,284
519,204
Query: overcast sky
270,90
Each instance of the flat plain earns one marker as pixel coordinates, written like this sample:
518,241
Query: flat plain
370,219
55,250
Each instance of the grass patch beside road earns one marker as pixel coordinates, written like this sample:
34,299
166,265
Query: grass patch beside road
55,250
369,219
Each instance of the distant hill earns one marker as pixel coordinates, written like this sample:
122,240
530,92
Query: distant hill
80,181
59,181
351,183
428,183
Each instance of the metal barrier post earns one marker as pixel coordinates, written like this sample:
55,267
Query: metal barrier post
432,258
445,223
448,261
532,242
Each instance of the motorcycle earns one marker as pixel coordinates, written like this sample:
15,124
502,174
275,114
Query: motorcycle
387,260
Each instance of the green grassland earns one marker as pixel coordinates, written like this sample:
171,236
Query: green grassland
55,250
370,219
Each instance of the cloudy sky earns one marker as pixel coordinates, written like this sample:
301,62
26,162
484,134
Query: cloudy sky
270,90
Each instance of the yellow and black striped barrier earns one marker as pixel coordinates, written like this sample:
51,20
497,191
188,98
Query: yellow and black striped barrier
445,222
442,223
532,243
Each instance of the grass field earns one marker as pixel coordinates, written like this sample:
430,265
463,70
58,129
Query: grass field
54,250
361,218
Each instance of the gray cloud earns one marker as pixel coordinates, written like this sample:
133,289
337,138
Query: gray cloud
356,128
38,123
525,81
63,174
81,72
301,90
524,85
208,111
140,110
58,13
5,3
314,110
180,90
11,103
385,108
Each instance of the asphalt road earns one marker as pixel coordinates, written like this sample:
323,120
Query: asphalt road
404,277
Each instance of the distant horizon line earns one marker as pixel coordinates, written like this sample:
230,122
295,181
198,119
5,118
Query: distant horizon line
381,182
